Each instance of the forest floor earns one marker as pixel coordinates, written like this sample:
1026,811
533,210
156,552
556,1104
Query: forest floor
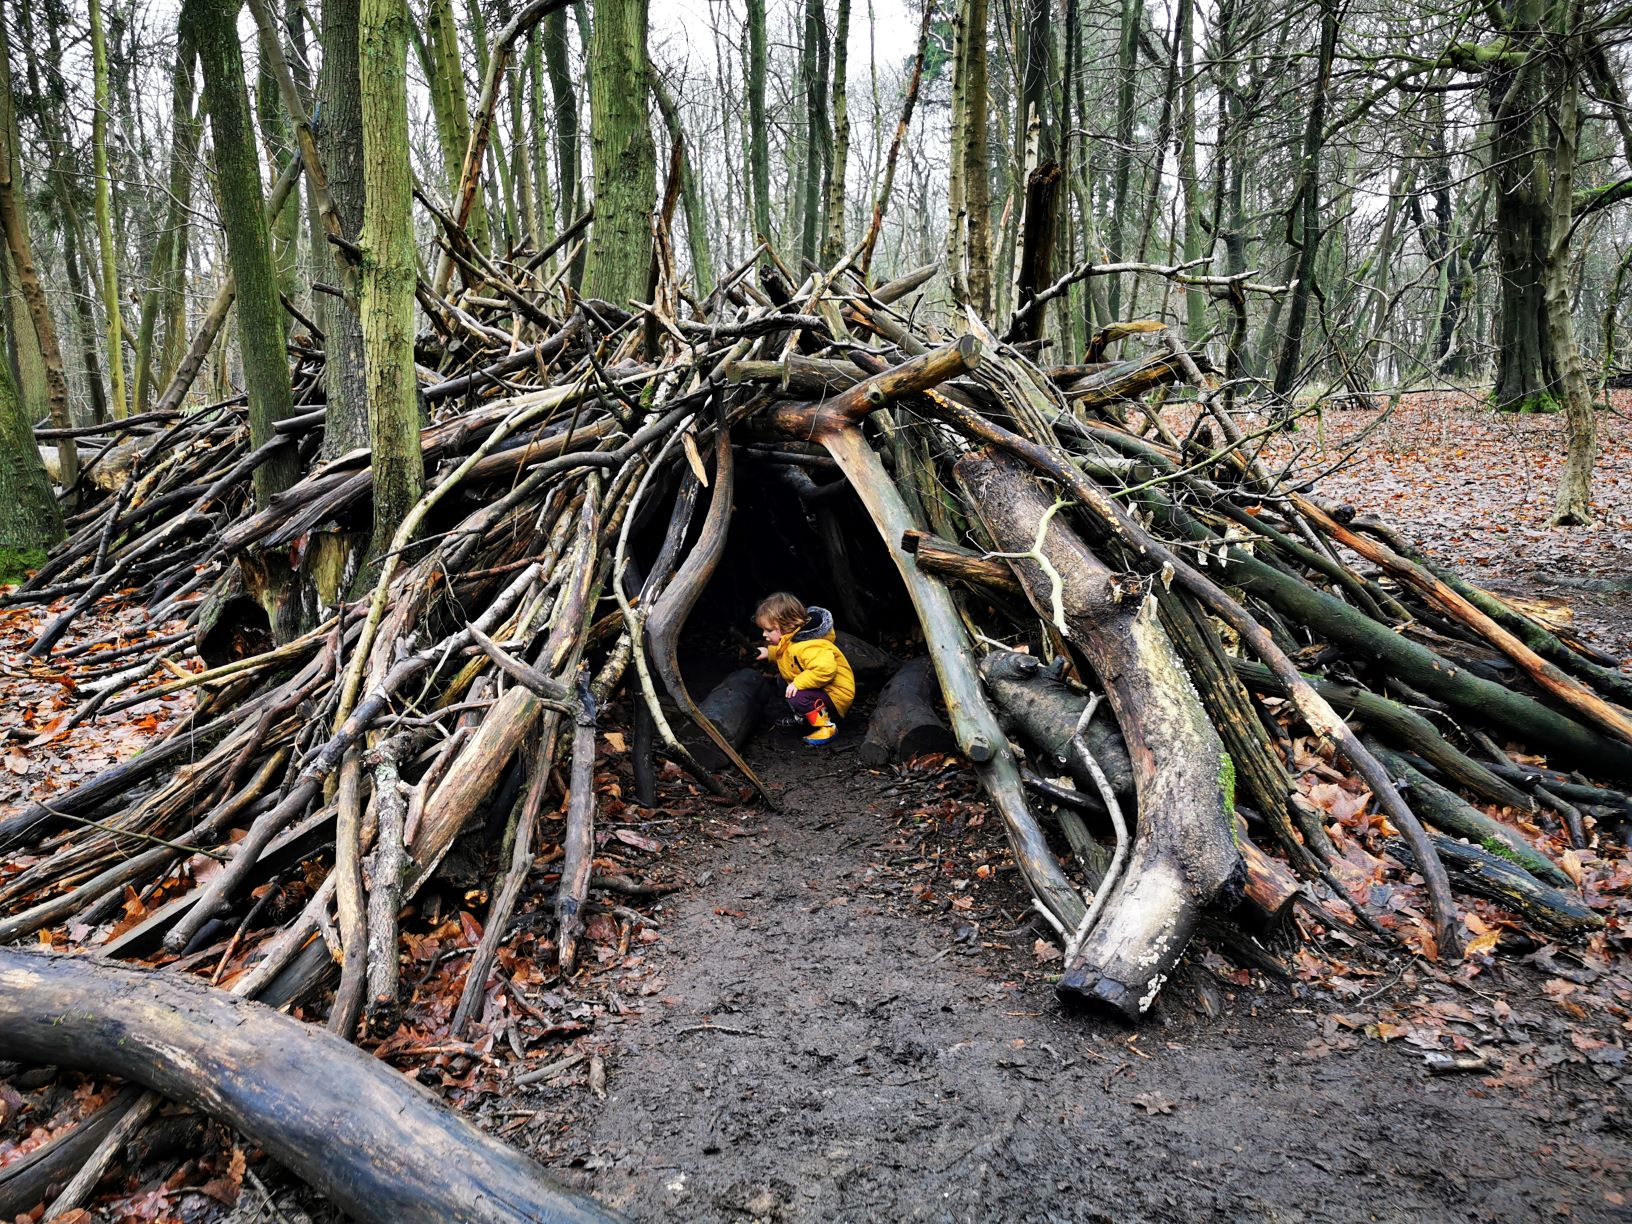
845,1011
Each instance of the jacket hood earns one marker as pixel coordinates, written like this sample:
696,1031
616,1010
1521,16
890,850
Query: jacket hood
818,624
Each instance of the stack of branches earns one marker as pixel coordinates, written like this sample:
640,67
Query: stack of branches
1172,577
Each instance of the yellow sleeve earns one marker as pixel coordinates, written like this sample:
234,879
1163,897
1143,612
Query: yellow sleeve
818,664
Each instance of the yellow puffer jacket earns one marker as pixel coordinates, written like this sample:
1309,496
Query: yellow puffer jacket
812,660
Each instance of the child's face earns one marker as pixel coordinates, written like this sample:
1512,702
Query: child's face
769,632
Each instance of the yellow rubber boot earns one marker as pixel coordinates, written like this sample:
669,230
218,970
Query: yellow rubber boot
823,728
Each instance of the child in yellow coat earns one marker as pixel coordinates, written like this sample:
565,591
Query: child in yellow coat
800,641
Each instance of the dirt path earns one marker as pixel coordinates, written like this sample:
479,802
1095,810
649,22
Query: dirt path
811,1049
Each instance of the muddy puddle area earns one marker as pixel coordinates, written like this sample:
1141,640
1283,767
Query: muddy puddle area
829,1026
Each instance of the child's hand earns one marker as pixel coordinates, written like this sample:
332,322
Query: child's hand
791,690
761,655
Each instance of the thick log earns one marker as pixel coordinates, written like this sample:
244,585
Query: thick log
1271,888
1042,709
377,1144
949,560
904,723
1184,857
1406,727
1490,875
737,707
27,1181
1440,595
866,660
1451,813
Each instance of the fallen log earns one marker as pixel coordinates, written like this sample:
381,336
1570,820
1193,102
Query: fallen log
379,1146
28,1181
1042,709
1184,858
737,707
904,723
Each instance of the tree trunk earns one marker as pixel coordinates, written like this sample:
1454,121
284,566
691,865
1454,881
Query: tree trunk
1127,62
444,70
104,216
386,298
1184,857
168,267
19,246
1573,501
1307,227
620,245
214,31
381,1147
284,234
759,156
1526,378
818,149
340,143
569,186
30,521
833,226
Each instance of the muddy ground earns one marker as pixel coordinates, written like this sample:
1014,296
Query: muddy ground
846,1011
827,1043
822,1046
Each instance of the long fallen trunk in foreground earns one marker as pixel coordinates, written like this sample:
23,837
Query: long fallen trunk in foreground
379,1146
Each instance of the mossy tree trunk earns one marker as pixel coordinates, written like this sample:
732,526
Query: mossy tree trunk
340,143
386,301
620,248
104,216
29,517
212,25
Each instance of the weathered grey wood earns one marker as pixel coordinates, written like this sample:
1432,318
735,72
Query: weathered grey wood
1184,857
737,706
378,1145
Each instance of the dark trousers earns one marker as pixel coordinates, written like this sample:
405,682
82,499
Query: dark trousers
804,701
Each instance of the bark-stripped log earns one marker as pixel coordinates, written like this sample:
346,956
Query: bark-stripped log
376,1143
1184,856
1041,709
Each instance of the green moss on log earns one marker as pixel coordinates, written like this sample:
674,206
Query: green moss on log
17,563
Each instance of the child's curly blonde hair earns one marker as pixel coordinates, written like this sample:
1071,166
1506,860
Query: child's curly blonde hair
781,611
